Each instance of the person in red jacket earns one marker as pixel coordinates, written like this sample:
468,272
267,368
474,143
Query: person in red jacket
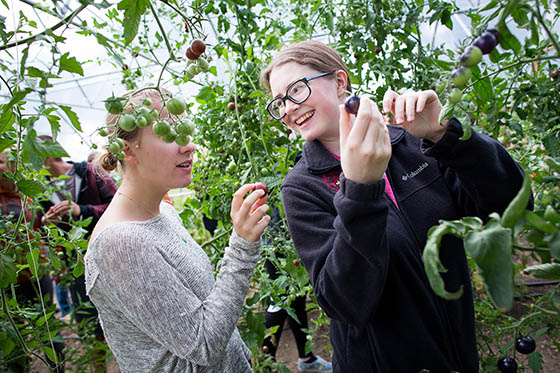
359,205
26,289
85,193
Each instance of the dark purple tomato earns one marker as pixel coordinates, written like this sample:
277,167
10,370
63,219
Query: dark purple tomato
525,345
496,34
507,365
486,42
352,104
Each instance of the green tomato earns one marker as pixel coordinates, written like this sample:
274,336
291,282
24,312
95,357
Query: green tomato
471,57
170,137
202,64
120,142
185,128
114,148
147,102
461,76
455,95
175,106
127,122
161,128
141,122
121,155
114,105
182,140
103,132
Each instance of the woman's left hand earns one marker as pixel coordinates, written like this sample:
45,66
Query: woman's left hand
417,112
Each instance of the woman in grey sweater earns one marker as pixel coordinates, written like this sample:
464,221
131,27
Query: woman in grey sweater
159,304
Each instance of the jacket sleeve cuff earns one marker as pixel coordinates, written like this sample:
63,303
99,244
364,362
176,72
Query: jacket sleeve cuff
361,192
452,134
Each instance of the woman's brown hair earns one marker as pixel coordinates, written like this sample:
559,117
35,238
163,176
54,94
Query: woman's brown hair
319,56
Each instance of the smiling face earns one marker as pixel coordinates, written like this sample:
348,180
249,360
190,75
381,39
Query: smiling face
316,117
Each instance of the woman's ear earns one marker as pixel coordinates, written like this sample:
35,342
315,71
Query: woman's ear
129,151
341,79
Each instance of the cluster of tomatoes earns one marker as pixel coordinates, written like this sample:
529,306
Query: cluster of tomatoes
523,345
197,63
472,55
144,116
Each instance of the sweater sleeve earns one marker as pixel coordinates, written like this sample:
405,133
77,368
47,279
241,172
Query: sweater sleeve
481,173
336,247
136,280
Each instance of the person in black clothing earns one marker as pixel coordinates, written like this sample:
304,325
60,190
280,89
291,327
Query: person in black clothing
359,205
276,316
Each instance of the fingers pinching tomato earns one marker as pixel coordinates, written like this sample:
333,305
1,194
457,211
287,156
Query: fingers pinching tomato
248,211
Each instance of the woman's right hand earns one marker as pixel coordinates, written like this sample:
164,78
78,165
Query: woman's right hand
365,146
249,214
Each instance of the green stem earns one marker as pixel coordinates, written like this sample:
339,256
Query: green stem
548,32
163,34
513,65
214,239
32,38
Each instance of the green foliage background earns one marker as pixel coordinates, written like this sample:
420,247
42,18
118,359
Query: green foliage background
513,96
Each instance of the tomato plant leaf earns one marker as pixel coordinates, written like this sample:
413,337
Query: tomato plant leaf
30,187
491,250
433,265
547,271
133,11
446,112
535,361
70,64
72,116
8,271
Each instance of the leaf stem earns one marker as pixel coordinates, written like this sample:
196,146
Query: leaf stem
171,55
32,38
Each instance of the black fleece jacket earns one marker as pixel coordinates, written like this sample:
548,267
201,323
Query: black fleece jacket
363,254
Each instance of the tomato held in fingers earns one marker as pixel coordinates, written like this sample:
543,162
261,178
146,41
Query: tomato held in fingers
262,186
352,104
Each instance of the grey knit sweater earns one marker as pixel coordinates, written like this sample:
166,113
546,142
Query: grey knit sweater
159,305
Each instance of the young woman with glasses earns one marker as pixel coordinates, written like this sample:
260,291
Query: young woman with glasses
359,205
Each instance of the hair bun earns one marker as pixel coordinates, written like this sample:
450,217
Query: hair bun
108,161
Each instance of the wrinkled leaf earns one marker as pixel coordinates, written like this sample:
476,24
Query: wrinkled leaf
547,271
491,250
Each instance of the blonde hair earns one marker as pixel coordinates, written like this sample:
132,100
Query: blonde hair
319,56
134,98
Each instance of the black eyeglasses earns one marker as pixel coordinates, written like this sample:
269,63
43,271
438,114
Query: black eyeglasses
297,92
